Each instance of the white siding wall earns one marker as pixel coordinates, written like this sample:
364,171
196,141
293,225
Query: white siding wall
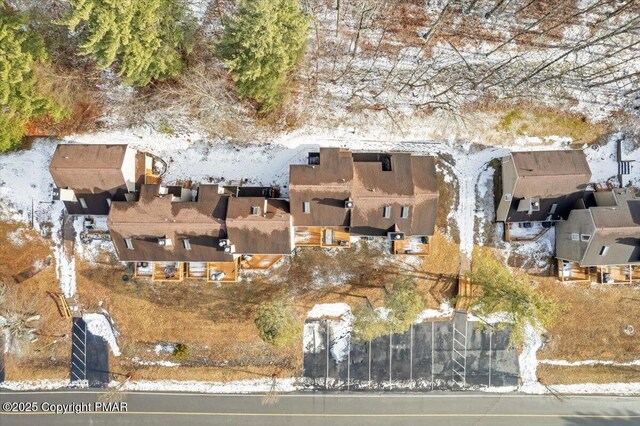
129,169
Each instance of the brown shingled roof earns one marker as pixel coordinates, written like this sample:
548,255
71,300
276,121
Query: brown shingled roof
404,181
547,174
87,168
326,186
267,232
154,217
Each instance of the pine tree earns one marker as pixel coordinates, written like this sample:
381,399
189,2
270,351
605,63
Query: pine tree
22,51
147,37
261,44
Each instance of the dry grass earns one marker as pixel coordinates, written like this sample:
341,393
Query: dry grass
554,375
48,357
591,326
544,122
15,259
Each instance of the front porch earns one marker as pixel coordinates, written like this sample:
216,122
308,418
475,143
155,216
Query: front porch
259,261
413,246
222,272
317,236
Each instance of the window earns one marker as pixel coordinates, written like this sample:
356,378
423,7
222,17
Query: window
128,243
575,236
386,212
404,212
255,211
585,237
186,244
386,163
83,203
306,207
604,250
553,209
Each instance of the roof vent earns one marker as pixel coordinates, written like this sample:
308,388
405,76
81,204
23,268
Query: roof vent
223,242
255,211
395,236
163,190
164,242
348,204
229,248
314,158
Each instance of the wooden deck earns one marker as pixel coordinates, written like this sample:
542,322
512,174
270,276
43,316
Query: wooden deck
168,271
412,246
316,236
260,261
619,274
196,270
572,272
230,270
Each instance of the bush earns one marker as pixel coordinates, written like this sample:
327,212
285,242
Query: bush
261,44
405,304
277,323
181,351
367,324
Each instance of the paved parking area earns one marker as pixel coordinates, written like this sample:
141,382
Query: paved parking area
89,356
450,354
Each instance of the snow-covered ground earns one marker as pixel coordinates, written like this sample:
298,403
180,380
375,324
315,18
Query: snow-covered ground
100,325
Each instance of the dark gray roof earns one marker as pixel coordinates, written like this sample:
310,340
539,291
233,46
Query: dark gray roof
614,231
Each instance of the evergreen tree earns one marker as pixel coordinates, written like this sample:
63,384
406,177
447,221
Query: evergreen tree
261,44
277,323
146,37
502,291
22,51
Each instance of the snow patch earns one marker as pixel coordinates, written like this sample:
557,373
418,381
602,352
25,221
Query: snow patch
99,325
339,330
528,360
139,361
244,386
445,312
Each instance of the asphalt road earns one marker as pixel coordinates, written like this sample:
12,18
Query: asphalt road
330,409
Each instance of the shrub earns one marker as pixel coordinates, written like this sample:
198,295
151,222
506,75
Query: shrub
277,323
180,351
367,324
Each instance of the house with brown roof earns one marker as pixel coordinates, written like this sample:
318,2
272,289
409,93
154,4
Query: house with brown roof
89,177
340,193
540,187
602,241
204,232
